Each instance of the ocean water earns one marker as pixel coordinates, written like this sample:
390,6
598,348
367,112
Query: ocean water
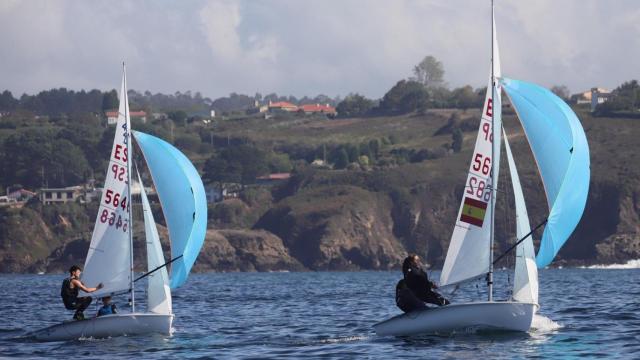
593,313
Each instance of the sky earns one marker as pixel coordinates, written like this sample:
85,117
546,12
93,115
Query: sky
310,47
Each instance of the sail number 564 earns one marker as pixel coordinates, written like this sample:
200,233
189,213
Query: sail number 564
483,163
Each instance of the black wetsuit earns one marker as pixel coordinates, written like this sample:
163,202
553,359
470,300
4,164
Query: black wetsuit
406,300
71,300
418,281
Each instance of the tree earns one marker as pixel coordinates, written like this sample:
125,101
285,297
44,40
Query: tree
457,139
341,159
110,100
179,117
429,72
561,91
404,97
7,101
464,97
354,105
239,164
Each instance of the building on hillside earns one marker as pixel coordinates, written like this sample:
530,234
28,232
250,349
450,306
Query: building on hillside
60,195
214,194
282,106
6,201
112,116
325,109
599,97
272,178
21,195
585,96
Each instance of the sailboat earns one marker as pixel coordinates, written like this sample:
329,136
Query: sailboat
560,149
110,256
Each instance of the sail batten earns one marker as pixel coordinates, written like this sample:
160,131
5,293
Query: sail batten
561,151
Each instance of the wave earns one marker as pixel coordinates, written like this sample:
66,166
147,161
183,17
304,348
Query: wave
631,264
542,323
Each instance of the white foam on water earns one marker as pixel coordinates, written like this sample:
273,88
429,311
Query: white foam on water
344,339
542,323
631,264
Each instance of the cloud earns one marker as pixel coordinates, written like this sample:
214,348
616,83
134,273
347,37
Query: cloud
311,47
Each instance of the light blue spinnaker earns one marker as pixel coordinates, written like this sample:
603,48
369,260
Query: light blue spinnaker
561,151
183,200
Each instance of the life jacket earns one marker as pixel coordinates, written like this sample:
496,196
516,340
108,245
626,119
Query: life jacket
69,295
107,310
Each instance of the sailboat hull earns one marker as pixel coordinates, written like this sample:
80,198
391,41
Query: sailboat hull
465,317
107,326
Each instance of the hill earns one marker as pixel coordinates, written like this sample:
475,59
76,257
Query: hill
399,191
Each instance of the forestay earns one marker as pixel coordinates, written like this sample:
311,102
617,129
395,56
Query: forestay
183,201
525,285
469,254
158,291
561,151
109,257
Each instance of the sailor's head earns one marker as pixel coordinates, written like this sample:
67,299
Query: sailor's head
75,270
414,259
106,300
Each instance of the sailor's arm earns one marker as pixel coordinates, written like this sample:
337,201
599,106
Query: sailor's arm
81,286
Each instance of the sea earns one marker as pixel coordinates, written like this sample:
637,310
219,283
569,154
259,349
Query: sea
584,313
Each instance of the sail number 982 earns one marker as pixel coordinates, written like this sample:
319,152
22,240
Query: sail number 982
478,188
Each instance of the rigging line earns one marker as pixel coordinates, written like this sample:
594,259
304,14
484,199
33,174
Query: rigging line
519,241
158,268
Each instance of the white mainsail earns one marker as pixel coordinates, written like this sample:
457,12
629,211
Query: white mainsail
109,257
525,285
469,250
158,291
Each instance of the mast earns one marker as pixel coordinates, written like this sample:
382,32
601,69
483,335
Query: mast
129,138
493,190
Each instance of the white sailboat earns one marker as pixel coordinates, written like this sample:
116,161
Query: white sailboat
110,257
561,151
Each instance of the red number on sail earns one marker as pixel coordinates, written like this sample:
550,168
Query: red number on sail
486,129
486,166
103,216
118,172
477,162
107,196
123,203
112,219
116,199
480,191
472,182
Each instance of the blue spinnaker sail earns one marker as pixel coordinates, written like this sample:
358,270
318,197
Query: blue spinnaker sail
183,200
561,151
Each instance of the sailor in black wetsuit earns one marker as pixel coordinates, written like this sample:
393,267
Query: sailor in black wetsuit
69,293
416,287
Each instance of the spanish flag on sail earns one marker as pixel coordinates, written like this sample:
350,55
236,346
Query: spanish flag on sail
473,211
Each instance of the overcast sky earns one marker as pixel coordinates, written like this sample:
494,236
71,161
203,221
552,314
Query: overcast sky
310,47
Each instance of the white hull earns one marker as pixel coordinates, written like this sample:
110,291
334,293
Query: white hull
107,326
501,316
